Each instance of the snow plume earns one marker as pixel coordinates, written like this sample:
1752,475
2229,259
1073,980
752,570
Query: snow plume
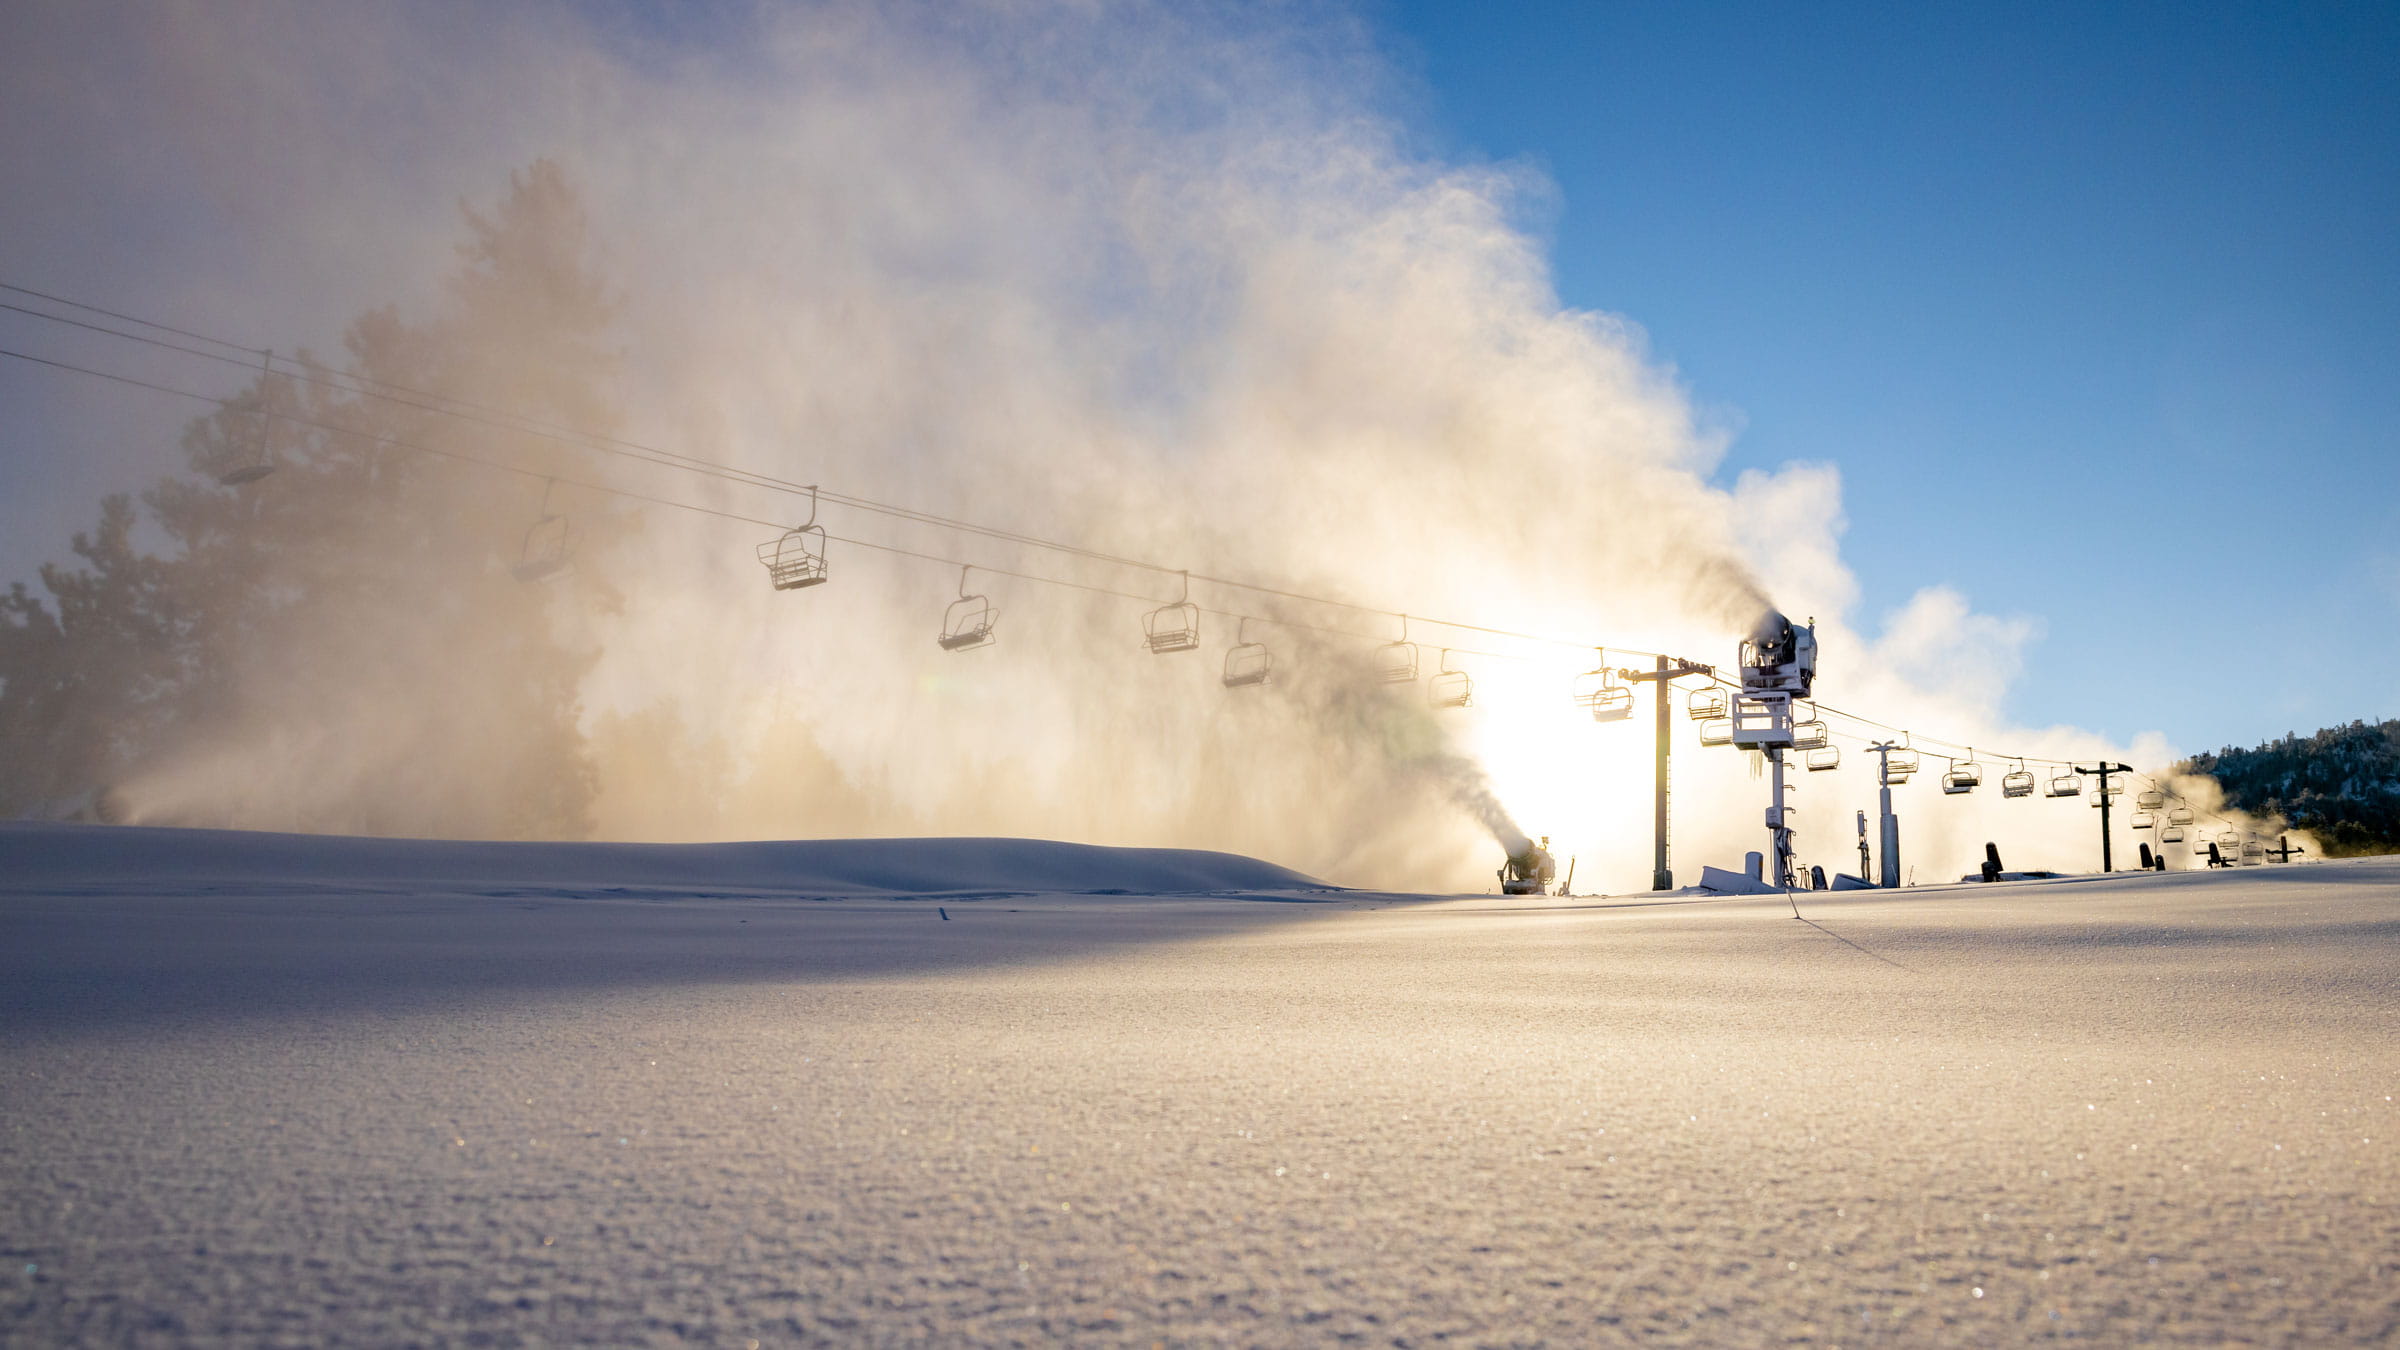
1157,278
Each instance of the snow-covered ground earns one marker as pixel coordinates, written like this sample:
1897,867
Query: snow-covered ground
275,1089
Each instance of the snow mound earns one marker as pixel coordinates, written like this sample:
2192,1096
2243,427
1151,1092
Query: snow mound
122,858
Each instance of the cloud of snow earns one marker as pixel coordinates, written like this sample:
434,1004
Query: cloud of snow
1159,279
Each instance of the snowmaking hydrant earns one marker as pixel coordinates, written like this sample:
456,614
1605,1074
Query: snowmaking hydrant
1530,871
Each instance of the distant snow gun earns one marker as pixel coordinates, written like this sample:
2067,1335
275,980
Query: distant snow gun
1529,872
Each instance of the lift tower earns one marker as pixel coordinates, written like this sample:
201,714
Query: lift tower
1662,877
2107,862
1779,667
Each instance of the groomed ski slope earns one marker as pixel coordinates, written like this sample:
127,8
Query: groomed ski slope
273,1090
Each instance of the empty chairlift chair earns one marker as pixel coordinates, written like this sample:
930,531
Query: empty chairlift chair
2068,784
1600,693
1811,735
259,459
796,559
549,545
1449,688
1965,776
1706,703
1823,757
2181,815
1900,765
967,624
1396,662
2172,834
1717,731
2150,799
2144,820
1175,627
1247,663
2017,782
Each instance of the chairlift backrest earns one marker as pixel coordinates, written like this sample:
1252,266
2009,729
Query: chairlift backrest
1450,689
1172,628
967,624
1246,664
796,559
545,552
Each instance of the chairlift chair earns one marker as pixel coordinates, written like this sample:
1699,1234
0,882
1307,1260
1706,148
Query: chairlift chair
2018,782
1396,662
1823,757
2172,834
1449,688
261,460
1717,731
796,558
2068,784
1899,765
1175,627
548,546
2150,799
2143,820
2228,838
1706,703
1811,735
1600,693
1965,775
967,623
2181,815
1247,663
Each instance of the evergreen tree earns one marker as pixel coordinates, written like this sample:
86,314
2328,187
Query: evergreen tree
343,644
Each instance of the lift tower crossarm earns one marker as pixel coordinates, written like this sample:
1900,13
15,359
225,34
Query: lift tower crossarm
2107,859
1670,669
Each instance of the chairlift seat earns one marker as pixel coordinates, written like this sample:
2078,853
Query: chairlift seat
1823,757
2066,785
1247,664
2173,834
1717,731
2016,784
545,551
2143,820
1172,628
1450,689
2150,800
795,560
1396,662
967,624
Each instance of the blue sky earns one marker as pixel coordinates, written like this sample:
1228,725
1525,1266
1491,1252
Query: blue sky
2096,307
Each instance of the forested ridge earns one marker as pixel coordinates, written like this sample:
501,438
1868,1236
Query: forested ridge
2341,784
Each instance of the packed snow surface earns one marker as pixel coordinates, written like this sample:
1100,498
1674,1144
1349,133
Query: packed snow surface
318,1091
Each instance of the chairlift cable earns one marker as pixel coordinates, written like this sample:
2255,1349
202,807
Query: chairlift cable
355,384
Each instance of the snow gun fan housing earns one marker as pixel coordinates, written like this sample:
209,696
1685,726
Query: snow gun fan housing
1529,872
1779,657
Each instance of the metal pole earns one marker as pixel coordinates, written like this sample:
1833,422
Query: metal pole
1662,877
2107,859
